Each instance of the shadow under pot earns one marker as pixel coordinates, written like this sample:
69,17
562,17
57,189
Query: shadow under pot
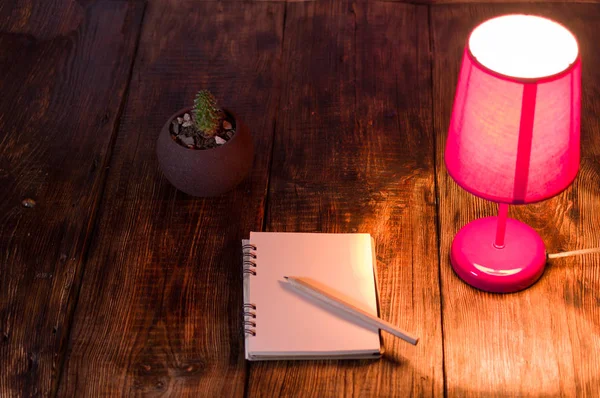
205,172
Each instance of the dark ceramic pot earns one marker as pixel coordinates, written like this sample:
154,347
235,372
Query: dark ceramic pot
207,172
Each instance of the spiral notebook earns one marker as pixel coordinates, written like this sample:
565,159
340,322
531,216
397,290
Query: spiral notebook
281,324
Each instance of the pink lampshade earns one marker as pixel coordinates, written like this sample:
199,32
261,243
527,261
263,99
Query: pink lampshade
514,131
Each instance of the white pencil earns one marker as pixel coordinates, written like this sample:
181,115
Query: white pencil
302,285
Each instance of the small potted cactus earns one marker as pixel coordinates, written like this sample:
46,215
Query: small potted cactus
205,150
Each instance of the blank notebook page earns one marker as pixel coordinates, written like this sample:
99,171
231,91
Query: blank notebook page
288,323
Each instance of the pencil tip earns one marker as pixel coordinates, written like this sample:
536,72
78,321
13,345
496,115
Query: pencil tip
285,277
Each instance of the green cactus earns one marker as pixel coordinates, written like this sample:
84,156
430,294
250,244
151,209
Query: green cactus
206,113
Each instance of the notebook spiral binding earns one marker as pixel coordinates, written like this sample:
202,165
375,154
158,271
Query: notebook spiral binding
249,269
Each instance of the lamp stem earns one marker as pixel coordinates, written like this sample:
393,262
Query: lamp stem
501,226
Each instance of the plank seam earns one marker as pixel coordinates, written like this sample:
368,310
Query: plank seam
94,219
270,167
268,188
436,190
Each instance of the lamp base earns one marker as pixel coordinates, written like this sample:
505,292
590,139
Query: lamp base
516,266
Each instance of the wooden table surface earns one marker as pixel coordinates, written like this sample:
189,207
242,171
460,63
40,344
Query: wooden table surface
114,283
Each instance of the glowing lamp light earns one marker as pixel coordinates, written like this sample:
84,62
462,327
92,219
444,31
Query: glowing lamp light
513,139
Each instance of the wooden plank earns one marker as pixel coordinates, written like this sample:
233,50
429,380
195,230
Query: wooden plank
354,153
64,71
266,1
161,299
542,341
439,2
429,2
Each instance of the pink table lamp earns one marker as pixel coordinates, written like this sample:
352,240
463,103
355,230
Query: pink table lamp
513,139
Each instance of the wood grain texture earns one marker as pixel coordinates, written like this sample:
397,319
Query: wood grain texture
440,2
543,341
353,152
160,303
64,75
422,2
